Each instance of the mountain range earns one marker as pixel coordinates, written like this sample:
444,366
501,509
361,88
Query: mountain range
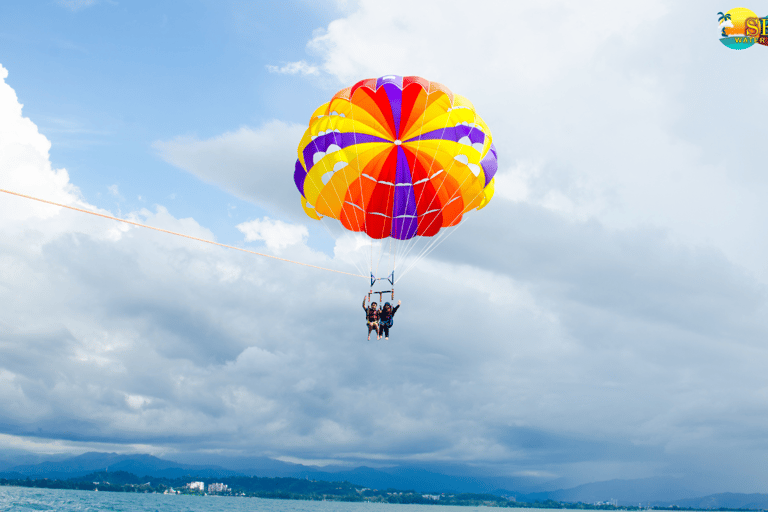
649,491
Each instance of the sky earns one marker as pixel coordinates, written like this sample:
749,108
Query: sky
604,317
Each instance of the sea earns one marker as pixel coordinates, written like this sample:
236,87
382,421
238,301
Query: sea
13,499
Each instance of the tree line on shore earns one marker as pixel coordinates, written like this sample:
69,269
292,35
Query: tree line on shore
295,489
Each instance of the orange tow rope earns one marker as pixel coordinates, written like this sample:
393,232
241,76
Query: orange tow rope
174,233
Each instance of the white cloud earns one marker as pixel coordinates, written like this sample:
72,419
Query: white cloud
294,68
250,164
25,168
416,38
275,233
137,401
154,337
76,5
115,191
312,462
24,160
554,334
616,133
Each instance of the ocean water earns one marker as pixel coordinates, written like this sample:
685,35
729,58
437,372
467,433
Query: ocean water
13,499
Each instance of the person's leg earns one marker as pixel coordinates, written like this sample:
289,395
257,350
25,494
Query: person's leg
385,331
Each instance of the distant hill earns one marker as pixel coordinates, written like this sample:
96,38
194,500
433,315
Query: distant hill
90,462
254,466
147,465
406,478
663,492
653,491
727,500
657,491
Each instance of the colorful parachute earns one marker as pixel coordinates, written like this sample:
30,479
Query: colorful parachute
397,157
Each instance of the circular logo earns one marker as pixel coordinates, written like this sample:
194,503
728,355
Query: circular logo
733,31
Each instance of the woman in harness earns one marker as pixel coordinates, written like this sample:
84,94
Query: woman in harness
386,318
372,319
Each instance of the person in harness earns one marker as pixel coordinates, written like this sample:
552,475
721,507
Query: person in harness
372,319
386,319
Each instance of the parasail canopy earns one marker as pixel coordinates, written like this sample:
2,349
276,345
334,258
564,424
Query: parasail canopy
395,157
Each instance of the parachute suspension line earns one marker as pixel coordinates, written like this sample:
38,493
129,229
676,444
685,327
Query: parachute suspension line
381,254
434,243
393,255
428,248
442,235
110,217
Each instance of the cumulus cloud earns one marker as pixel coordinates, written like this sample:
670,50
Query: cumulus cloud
597,124
25,161
25,168
563,332
373,40
294,68
606,249
276,234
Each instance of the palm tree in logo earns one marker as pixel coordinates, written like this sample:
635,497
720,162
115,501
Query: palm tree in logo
722,19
